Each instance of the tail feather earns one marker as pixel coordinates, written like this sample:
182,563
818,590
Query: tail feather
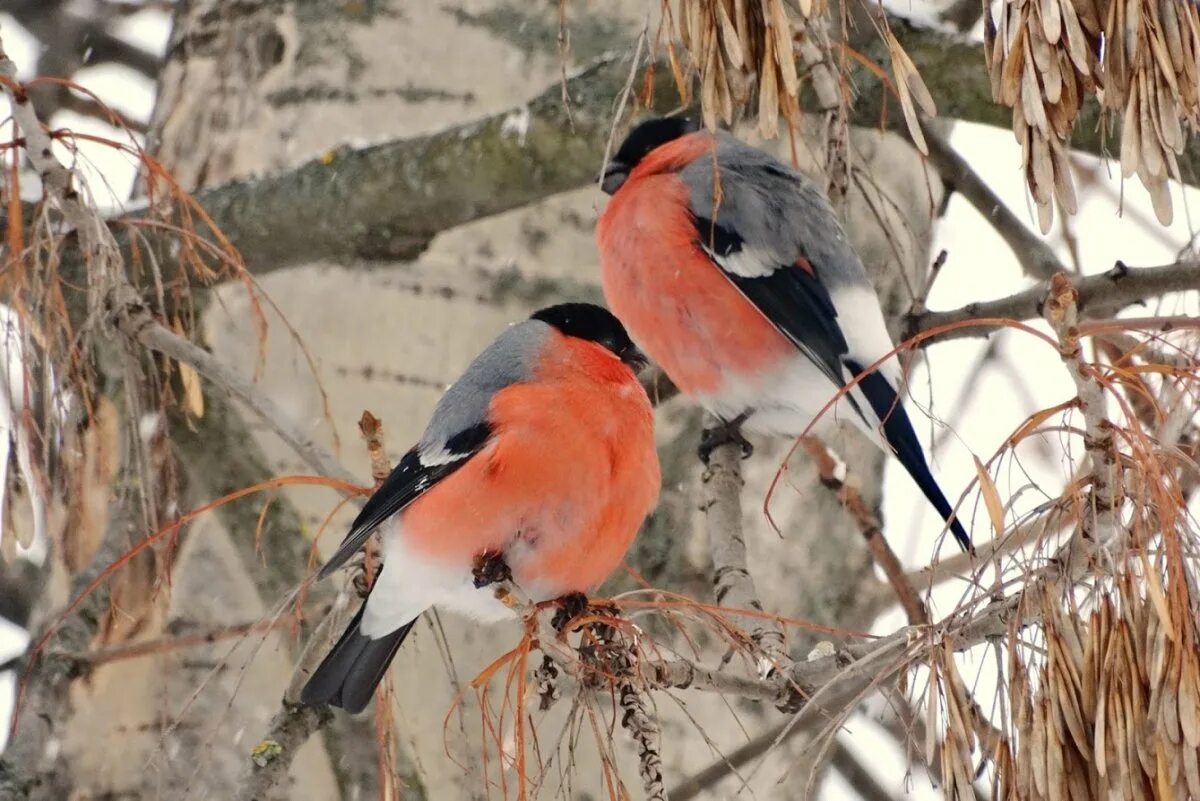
903,439
348,676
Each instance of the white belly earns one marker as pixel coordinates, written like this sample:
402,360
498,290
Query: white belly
784,404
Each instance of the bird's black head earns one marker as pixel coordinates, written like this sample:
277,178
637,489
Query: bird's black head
644,138
595,324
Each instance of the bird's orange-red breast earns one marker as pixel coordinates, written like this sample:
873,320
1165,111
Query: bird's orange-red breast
659,281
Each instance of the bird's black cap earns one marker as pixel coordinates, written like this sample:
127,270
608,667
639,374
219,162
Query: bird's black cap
595,324
645,137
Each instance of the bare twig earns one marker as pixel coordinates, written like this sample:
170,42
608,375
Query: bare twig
1119,287
1035,255
732,584
832,475
144,329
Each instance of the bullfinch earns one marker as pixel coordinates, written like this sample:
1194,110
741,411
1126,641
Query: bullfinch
541,455
731,271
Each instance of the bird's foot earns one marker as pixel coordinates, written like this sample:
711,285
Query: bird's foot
570,606
490,568
724,433
574,604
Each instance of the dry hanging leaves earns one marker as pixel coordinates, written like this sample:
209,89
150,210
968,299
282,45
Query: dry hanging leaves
1110,708
1046,56
730,42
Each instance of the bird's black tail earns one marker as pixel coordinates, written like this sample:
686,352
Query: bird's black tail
353,669
900,434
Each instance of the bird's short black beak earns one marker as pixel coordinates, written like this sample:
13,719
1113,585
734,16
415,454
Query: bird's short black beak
634,358
613,178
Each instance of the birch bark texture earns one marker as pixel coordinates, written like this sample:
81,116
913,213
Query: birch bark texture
253,87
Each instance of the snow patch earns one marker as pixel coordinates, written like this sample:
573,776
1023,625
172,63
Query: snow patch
517,124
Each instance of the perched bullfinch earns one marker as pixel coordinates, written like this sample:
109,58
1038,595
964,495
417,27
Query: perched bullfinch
541,454
731,271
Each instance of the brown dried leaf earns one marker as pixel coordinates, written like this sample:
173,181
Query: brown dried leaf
1045,213
1189,706
1031,96
1191,772
744,32
1160,197
1133,29
1052,80
1064,184
1043,170
730,41
1077,47
1014,69
768,94
1131,145
1051,20
779,25
1168,19
991,497
1037,746
1152,152
1169,717
931,715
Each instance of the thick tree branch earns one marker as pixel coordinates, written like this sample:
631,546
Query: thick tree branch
388,201
1119,287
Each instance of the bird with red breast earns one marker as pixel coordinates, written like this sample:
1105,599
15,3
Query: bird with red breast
731,271
540,459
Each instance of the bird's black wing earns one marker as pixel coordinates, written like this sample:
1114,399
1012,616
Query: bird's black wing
410,479
790,296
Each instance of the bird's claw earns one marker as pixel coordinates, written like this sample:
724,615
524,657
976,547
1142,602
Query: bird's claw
724,433
570,606
574,604
490,568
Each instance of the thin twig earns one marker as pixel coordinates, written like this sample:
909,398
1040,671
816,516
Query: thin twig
157,337
1036,257
832,474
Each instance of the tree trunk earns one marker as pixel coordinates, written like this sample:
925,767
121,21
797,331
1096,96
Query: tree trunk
255,86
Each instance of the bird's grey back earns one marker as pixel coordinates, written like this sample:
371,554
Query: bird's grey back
510,359
773,207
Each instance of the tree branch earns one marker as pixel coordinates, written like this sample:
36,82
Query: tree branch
386,209
832,475
733,586
1121,286
143,328
1036,257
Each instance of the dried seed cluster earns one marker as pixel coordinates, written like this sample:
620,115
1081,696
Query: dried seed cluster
964,726
1140,57
1114,712
727,42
